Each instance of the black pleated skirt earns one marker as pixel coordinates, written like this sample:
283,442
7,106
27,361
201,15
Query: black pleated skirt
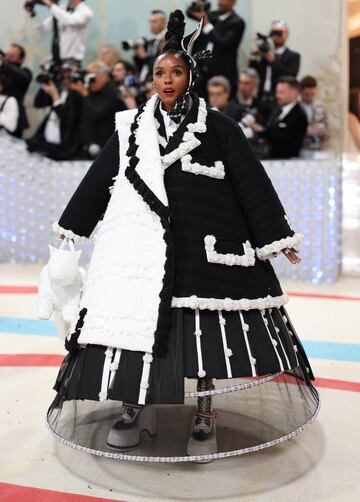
231,345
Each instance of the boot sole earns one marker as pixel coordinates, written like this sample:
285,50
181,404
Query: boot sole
134,446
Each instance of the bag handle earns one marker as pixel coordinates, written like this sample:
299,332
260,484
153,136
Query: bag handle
67,241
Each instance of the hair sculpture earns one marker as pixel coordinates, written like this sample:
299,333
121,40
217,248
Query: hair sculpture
176,43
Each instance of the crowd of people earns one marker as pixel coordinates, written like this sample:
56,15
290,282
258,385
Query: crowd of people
280,115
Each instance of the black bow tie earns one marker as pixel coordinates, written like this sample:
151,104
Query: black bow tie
70,9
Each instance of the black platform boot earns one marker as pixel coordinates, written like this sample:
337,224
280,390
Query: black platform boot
202,439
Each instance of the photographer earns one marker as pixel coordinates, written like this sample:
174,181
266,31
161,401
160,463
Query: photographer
70,27
9,109
124,80
58,134
272,59
146,51
222,33
18,78
100,102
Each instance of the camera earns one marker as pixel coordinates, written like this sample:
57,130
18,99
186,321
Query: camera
30,5
82,76
134,43
78,76
198,6
2,53
50,72
263,43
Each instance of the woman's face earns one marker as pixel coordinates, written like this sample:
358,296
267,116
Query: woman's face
171,78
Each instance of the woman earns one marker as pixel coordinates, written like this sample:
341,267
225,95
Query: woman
179,283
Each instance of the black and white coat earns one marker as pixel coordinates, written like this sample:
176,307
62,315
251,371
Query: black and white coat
190,223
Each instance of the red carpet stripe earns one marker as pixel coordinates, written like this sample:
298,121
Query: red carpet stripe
324,297
16,493
40,360
18,290
329,383
49,360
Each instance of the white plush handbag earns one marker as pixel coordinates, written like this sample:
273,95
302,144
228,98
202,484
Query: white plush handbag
60,286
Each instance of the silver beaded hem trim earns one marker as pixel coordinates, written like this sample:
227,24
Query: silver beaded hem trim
193,458
233,388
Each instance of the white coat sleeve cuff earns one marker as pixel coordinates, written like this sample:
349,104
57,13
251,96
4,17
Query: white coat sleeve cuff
69,234
275,247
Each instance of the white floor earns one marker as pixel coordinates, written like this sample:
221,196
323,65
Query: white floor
322,464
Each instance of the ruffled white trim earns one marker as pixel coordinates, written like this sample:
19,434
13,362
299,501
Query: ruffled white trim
190,141
228,304
230,259
267,251
217,171
162,141
69,234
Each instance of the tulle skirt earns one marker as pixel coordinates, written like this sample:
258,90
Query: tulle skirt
263,386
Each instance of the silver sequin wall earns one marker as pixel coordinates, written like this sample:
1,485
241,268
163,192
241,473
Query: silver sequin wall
34,191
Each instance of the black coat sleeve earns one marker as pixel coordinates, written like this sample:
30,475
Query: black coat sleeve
290,66
254,190
230,38
89,202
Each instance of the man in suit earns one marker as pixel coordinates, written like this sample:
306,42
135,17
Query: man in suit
100,102
19,78
275,62
222,34
145,57
286,128
219,98
58,135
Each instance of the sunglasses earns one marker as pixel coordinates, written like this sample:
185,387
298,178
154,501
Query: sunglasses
280,21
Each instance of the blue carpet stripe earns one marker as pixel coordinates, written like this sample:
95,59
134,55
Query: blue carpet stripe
332,350
314,349
23,326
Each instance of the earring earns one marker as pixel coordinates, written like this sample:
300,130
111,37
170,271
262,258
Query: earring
153,85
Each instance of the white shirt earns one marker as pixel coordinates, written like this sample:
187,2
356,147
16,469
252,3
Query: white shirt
52,132
72,29
268,77
286,110
10,115
170,125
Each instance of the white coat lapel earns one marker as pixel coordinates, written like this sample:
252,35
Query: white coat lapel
182,143
149,167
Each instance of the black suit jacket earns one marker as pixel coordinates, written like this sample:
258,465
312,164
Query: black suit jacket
234,111
69,114
19,81
287,64
226,37
286,136
97,115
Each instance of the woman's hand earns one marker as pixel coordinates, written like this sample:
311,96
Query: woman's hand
292,256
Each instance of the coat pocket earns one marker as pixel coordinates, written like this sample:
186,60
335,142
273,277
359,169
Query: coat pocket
216,171
245,257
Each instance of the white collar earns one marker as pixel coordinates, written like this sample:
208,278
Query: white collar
170,125
287,109
280,50
160,35
225,15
